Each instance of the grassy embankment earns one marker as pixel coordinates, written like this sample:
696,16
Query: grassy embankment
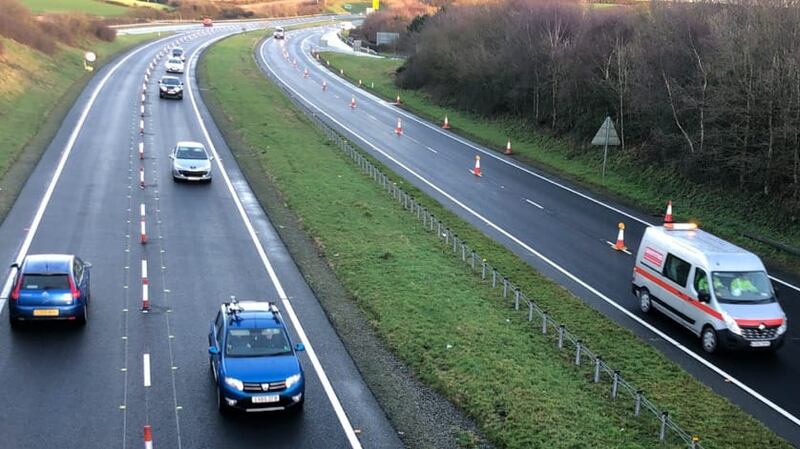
92,7
438,317
35,94
346,7
717,211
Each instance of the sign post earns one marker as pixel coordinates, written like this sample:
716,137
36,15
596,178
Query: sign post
606,135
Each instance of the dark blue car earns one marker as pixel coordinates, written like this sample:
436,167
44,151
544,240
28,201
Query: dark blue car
50,287
254,364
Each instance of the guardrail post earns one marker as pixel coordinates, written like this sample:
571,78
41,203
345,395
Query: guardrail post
494,277
472,260
463,251
560,336
578,352
597,361
516,299
505,287
544,322
425,219
662,433
483,269
439,228
455,242
530,311
637,403
447,236
614,384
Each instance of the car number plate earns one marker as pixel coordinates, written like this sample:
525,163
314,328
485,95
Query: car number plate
45,312
266,399
759,344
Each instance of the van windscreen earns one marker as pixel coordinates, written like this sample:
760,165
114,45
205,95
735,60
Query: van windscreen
742,287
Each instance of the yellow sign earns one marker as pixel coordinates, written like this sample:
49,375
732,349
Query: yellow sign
376,4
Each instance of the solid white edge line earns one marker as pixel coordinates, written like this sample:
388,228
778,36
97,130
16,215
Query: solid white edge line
37,218
312,356
492,154
533,203
554,265
146,369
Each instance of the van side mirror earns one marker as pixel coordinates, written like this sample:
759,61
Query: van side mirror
212,350
15,265
776,290
299,347
704,297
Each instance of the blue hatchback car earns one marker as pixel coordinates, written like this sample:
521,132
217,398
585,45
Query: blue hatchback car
50,287
254,364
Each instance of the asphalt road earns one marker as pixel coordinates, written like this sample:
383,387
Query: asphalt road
71,387
560,229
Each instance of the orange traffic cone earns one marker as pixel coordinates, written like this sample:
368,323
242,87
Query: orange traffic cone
305,73
324,85
508,148
353,103
359,83
399,129
668,215
397,101
446,123
477,170
620,245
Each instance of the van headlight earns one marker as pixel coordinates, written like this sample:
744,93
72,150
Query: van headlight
731,323
291,380
782,328
236,384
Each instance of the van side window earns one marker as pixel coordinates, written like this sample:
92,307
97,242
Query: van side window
677,270
701,281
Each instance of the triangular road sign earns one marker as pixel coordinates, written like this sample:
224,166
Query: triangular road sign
606,135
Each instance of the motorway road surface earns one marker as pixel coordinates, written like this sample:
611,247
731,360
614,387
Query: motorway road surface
560,229
71,387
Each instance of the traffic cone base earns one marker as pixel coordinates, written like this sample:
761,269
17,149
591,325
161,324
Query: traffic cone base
477,169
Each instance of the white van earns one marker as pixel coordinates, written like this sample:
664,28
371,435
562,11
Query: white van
713,288
278,33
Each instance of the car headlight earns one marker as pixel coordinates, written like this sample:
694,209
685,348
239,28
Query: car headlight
291,380
782,328
731,323
178,88
236,384
164,88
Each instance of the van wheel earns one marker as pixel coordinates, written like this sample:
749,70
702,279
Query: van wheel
709,340
83,317
645,304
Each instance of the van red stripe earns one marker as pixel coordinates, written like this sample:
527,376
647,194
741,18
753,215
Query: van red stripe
774,322
694,302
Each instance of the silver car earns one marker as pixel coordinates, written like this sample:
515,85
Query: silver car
191,162
174,65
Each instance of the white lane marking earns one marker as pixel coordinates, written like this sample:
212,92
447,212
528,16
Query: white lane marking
542,257
144,270
146,369
612,245
431,149
37,218
344,421
491,154
534,204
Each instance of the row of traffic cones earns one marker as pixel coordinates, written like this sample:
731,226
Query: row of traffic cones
620,243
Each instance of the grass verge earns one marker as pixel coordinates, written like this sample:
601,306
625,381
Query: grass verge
36,93
720,212
93,7
435,315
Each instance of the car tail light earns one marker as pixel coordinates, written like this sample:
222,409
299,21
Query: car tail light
75,292
17,288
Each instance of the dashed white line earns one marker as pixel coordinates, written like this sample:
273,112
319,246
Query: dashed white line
431,149
532,203
542,257
146,369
